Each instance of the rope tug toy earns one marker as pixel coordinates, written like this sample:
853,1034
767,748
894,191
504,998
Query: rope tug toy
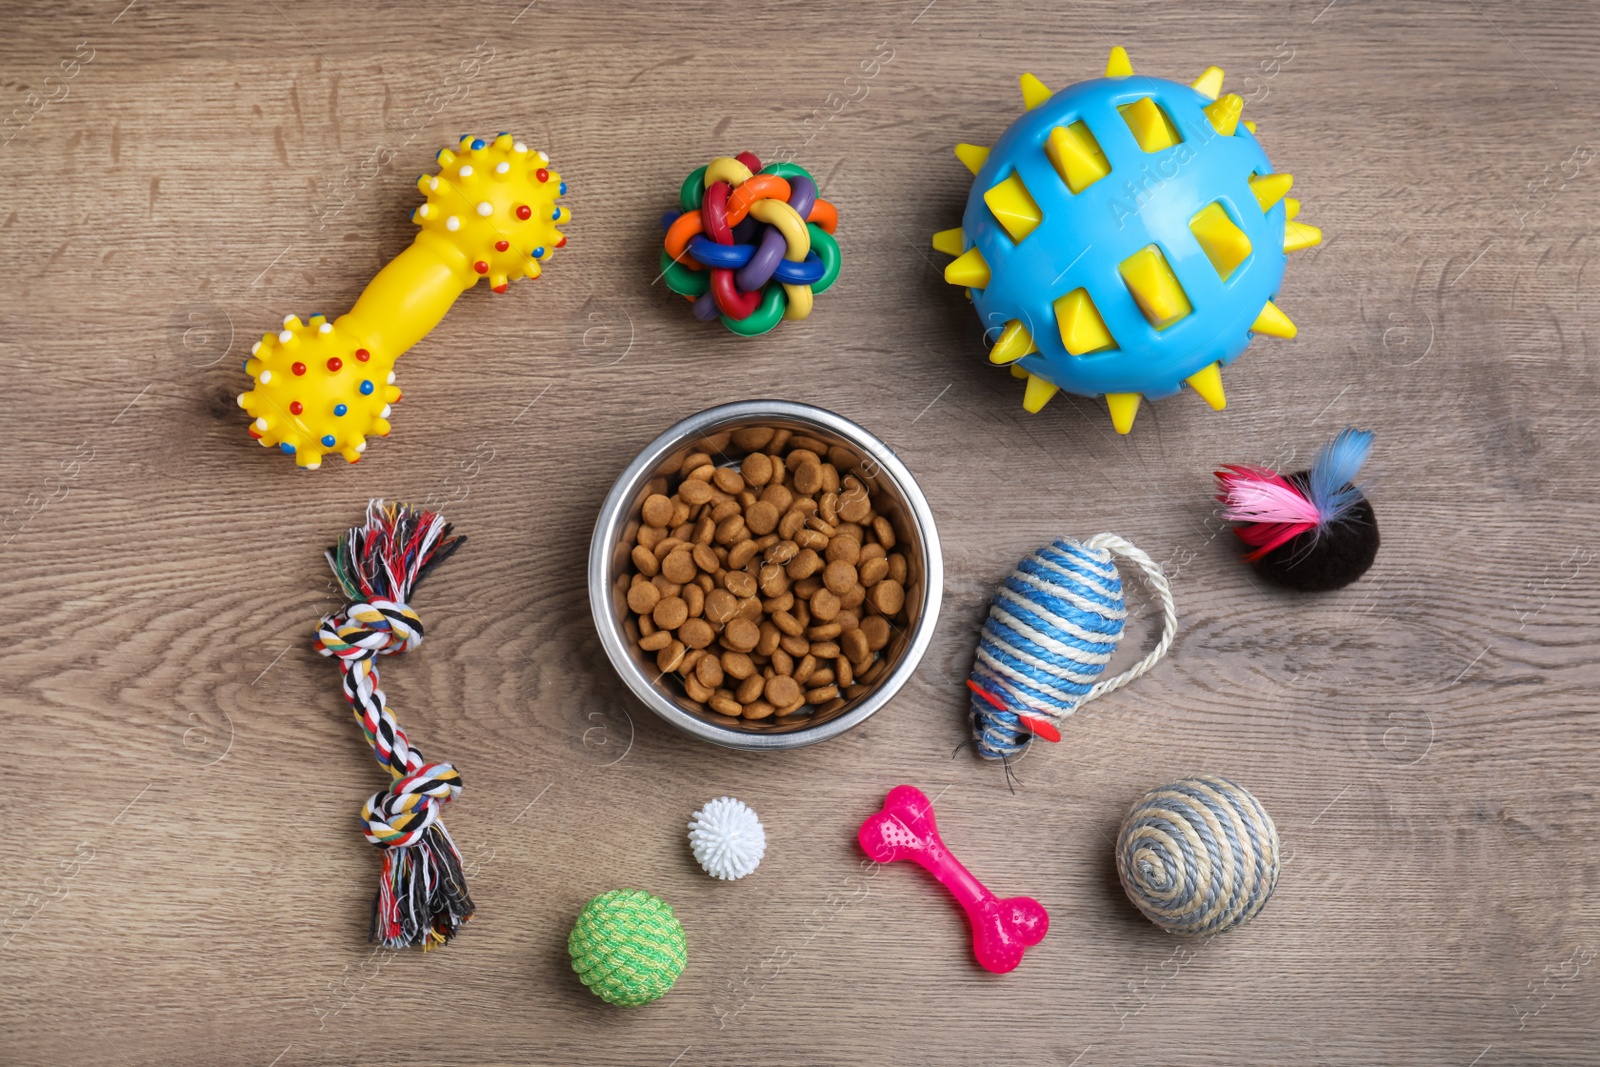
752,245
1052,628
422,897
323,386
1311,530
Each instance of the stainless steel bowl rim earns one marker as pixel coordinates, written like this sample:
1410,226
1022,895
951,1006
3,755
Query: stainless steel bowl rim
608,529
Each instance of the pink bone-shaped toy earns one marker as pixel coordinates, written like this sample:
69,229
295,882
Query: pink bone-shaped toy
1001,929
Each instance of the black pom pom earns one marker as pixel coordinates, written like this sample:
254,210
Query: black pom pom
1316,562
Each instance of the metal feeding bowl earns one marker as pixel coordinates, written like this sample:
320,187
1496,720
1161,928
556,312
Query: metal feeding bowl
895,496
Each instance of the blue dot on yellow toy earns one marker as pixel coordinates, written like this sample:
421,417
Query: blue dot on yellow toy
1126,236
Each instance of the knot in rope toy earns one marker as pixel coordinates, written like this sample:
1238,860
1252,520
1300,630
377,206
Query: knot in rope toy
1052,628
752,244
422,897
1199,856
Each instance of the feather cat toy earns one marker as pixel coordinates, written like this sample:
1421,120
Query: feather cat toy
1312,530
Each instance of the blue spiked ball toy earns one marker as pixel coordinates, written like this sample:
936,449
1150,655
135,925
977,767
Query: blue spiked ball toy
1052,628
1125,237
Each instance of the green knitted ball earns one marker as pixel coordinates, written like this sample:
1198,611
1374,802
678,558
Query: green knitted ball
627,947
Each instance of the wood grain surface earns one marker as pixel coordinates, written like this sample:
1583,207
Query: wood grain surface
181,877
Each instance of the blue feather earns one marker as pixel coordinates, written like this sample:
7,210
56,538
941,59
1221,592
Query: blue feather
1332,485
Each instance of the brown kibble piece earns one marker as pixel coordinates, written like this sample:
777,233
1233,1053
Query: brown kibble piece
825,650
650,536
782,552
737,665
853,597
726,705
771,638
804,669
752,438
793,521
668,658
842,549
778,496
750,689
897,567
807,476
839,577
888,596
822,694
679,565
794,644
843,672
873,571
884,530
709,670
694,493
657,510
721,605
824,604
853,643
741,553
705,557
741,635
698,691
695,597
876,627
757,469
728,480
773,581
758,709
805,563
761,517
656,641
646,561
787,623
782,691
670,612
696,633
740,584
854,504
643,598
826,632
730,529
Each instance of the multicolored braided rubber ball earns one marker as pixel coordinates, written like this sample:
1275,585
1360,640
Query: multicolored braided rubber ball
752,244
627,947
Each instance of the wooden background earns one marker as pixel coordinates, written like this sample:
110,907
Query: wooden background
181,880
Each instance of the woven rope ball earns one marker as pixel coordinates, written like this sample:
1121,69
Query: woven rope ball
627,947
1199,856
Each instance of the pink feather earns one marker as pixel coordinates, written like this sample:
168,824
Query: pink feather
1272,508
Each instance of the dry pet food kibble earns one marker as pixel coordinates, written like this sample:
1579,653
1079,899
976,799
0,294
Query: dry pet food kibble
770,587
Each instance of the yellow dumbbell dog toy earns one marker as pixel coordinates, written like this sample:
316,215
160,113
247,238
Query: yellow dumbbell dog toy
325,386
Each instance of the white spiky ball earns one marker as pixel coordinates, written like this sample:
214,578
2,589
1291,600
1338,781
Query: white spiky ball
727,838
